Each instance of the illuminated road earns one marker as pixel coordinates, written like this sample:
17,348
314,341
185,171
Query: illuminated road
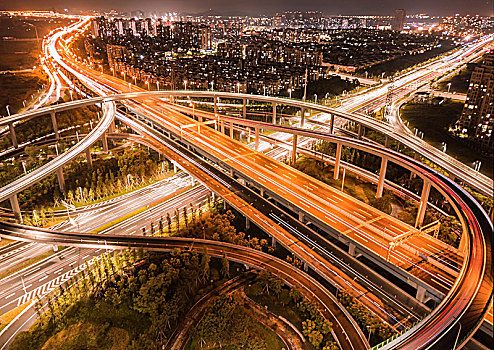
462,298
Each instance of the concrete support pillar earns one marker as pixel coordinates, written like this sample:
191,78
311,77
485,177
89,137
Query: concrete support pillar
89,159
300,216
262,192
215,105
112,126
244,108
247,223
337,161
231,173
387,141
361,131
294,149
175,169
273,242
14,204
61,180
420,296
222,123
302,117
351,249
12,135
55,126
231,130
306,267
274,113
426,189
331,124
104,140
257,140
382,177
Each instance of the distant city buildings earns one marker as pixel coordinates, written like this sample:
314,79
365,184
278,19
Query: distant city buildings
247,53
399,20
476,123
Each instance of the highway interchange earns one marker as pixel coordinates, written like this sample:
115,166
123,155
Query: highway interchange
228,150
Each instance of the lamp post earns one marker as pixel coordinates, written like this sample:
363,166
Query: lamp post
185,84
290,92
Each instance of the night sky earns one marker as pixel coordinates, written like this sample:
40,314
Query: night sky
252,7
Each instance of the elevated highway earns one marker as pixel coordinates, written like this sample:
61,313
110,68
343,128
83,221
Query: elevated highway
464,305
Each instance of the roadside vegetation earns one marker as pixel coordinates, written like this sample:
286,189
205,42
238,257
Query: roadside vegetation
135,299
459,82
120,172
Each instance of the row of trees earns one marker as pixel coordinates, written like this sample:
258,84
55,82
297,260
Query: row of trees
370,324
160,292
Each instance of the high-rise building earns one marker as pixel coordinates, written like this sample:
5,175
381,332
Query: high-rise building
476,122
399,20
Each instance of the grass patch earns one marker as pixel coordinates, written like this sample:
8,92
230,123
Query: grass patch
435,122
88,336
7,317
228,325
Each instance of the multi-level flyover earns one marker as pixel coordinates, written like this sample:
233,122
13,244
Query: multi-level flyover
461,311
467,301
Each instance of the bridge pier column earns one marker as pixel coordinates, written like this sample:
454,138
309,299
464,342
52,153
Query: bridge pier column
215,105
300,216
262,192
55,126
244,108
420,296
306,267
273,242
274,112
294,149
175,168
337,161
302,117
231,130
331,124
112,126
382,177
104,140
247,223
361,131
426,189
14,204
61,180
222,123
89,159
463,243
13,136
387,141
257,139
351,249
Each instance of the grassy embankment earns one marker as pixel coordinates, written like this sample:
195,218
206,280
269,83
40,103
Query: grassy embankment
434,121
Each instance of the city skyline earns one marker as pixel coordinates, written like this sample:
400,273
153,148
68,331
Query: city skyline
256,7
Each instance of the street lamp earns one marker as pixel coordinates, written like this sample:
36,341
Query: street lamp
238,88
130,87
290,92
147,83
8,110
315,98
444,146
157,84
449,87
112,71
185,84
